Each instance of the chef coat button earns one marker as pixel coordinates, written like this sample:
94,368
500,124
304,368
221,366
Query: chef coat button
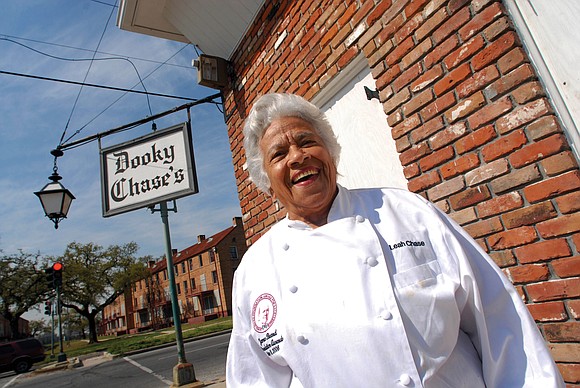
359,218
405,379
371,261
303,340
293,289
285,246
386,315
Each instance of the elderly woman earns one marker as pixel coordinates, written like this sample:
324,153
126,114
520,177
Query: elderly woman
367,287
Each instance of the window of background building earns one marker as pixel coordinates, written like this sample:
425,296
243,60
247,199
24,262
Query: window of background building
178,288
176,269
192,283
164,274
183,267
211,256
200,261
190,263
214,276
185,286
234,252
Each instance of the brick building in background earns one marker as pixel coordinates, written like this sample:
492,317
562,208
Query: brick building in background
203,275
457,111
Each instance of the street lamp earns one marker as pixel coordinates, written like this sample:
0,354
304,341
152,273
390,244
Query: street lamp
54,197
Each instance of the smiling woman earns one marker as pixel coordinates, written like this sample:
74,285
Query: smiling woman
366,280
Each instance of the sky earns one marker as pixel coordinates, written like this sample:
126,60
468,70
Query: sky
50,39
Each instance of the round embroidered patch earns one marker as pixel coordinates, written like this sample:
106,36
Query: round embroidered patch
264,312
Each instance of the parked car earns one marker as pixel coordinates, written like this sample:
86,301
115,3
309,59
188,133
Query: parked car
20,355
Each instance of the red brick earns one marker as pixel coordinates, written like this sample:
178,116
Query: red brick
469,197
559,163
490,112
509,81
414,153
569,203
452,79
570,373
548,311
494,51
408,28
567,267
496,28
565,352
528,273
378,12
427,78
459,166
504,145
464,52
566,224
396,101
417,102
481,20
512,238
562,332
440,51
431,24
451,25
527,92
515,179
400,51
439,105
420,50
405,126
553,187
427,129
554,290
486,172
406,77
436,158
445,189
511,60
477,81
543,127
411,170
476,139
465,107
464,216
503,258
522,115
576,241
574,307
530,215
500,204
484,227
424,181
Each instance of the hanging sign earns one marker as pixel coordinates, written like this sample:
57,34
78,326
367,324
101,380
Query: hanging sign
148,170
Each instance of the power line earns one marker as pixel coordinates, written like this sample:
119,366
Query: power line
96,85
9,38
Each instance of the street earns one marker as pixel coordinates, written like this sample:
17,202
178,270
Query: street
150,369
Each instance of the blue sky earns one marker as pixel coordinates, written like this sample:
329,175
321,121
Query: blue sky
34,114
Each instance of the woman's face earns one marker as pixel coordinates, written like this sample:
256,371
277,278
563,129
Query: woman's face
301,171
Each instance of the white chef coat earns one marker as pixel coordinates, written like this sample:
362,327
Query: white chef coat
390,292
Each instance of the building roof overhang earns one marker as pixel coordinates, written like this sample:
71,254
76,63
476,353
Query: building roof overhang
216,27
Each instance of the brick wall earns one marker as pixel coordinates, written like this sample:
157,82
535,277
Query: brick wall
474,128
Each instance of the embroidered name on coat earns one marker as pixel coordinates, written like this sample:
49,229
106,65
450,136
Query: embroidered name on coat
407,243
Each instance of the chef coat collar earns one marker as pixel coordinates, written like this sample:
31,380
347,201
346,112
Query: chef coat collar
341,207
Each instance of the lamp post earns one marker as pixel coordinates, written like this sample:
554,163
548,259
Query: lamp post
54,197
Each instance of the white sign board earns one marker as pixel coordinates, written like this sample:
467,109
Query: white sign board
148,170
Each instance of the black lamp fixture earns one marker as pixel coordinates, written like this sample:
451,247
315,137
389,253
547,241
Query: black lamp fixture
54,197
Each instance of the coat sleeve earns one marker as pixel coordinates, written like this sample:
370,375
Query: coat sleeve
247,365
512,350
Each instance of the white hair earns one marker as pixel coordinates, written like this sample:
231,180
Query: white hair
274,106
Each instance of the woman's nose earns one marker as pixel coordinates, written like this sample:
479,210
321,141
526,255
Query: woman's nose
296,155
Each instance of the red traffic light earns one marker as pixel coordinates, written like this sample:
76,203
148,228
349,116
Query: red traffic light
57,266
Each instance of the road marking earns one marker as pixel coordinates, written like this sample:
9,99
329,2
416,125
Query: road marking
11,381
195,350
145,369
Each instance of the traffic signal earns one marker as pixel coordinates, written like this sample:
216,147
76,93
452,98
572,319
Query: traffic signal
48,308
57,274
49,277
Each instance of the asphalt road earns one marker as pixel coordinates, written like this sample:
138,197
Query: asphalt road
150,369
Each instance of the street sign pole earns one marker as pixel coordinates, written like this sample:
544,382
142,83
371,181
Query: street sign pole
61,356
183,372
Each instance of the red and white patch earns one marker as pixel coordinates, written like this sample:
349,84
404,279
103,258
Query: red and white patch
264,312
